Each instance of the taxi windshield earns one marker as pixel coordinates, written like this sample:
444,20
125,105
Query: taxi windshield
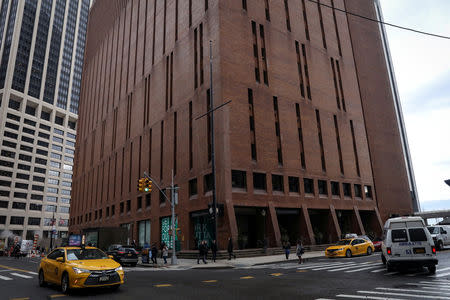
343,242
84,254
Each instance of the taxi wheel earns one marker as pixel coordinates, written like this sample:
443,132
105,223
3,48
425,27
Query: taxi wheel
65,283
41,278
369,251
115,287
348,253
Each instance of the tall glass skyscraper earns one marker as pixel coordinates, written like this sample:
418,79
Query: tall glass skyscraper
41,56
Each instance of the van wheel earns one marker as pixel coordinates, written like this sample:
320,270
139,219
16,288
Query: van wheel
383,259
348,253
389,267
432,269
369,251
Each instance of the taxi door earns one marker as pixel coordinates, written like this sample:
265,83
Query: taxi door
54,268
354,247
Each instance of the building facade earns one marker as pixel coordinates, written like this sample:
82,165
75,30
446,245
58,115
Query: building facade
42,51
309,147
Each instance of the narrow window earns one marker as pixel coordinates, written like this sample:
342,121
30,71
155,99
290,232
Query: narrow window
340,85
358,191
201,53
167,82
335,191
277,183
259,181
300,136
308,185
161,157
294,186
277,130
148,201
347,189
255,51
193,187
336,28
190,13
244,4
145,42
338,142
238,179
206,5
164,27
150,151
140,158
114,128
252,124
190,137
322,28
354,148
207,183
139,203
336,91
286,8
129,110
145,101
263,55
266,3
130,167
175,143
208,107
195,59
322,186
154,32
305,62
176,20
319,132
299,68
368,191
305,19
171,79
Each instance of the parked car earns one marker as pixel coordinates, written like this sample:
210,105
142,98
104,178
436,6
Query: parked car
440,235
76,267
350,247
407,242
377,244
125,255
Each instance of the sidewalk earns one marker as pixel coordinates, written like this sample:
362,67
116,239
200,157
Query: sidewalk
238,262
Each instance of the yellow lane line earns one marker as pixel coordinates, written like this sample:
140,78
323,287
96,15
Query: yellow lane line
56,296
208,281
25,298
247,277
302,271
14,269
276,274
162,285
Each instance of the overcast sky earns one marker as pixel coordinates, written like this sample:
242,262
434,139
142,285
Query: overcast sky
422,69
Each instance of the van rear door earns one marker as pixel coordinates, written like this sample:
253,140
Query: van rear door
418,240
400,243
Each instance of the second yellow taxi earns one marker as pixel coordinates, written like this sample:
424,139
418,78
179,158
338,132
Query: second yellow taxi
350,247
76,267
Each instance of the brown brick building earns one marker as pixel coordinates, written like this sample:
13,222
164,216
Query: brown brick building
309,147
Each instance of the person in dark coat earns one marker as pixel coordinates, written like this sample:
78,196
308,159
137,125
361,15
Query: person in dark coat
214,250
287,249
230,249
202,252
154,254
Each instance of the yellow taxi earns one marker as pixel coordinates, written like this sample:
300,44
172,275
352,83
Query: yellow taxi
349,247
80,267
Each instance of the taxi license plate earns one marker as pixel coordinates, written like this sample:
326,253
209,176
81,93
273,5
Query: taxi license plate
103,278
129,254
419,250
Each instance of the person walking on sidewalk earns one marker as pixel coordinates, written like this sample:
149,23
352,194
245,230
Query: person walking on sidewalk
165,253
201,252
154,254
214,250
230,249
299,251
287,249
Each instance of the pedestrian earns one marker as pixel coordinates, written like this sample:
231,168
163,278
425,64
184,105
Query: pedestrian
201,252
214,250
299,251
17,251
154,254
165,253
230,249
287,249
265,246
161,248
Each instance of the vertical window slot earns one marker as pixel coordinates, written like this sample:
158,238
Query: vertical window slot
299,68
319,132
286,8
322,28
338,142
300,136
355,150
255,51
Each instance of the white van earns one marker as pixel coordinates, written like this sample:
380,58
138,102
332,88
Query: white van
440,235
407,242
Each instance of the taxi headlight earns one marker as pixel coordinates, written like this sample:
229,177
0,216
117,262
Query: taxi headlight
79,271
118,269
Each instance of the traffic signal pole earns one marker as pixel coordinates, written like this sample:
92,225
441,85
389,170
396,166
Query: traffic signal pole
172,188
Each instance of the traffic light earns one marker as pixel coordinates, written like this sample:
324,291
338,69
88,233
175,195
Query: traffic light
148,185
141,184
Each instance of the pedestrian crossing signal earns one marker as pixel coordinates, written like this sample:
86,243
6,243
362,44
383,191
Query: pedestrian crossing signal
141,184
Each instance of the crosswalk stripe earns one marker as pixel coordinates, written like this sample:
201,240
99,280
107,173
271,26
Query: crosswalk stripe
378,270
416,274
441,275
411,290
362,269
32,273
391,273
21,275
444,269
403,295
320,265
436,288
366,297
349,267
5,278
335,266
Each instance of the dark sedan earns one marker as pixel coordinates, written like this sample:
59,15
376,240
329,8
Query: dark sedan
125,255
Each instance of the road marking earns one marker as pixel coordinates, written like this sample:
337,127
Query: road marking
444,269
21,275
320,265
32,273
403,295
56,296
378,270
162,285
436,288
409,290
441,275
390,273
367,297
334,266
14,269
208,281
349,267
362,269
5,278
302,271
24,298
247,277
276,274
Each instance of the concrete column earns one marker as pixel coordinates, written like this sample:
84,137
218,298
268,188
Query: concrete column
335,221
358,219
233,224
379,218
312,240
274,220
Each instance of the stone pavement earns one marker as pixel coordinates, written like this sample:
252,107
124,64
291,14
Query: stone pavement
238,262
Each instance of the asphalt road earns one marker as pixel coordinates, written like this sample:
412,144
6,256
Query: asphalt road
322,278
